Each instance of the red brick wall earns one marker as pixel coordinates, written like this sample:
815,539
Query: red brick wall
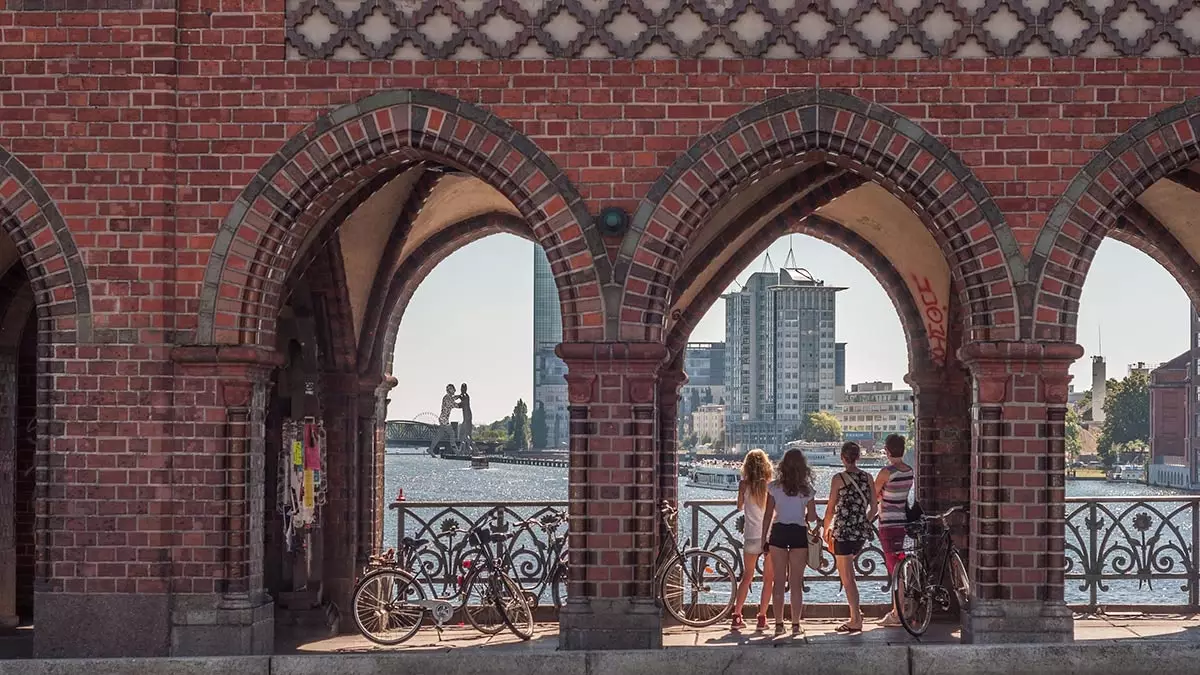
145,127
1169,412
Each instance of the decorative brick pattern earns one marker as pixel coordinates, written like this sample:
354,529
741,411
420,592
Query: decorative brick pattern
1018,487
779,29
1088,210
382,135
869,139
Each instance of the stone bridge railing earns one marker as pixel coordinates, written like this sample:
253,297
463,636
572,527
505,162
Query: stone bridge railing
1122,552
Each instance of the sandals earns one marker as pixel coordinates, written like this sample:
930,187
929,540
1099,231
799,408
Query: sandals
848,629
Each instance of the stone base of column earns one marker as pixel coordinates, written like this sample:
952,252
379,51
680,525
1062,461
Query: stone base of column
222,626
100,625
610,624
1012,621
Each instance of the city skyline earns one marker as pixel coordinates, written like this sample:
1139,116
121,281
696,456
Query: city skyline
457,329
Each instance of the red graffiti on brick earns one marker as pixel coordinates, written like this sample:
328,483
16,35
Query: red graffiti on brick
935,316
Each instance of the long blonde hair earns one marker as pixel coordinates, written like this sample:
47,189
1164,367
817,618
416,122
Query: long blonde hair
795,477
757,472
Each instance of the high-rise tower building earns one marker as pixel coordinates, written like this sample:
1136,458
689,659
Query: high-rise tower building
780,362
549,371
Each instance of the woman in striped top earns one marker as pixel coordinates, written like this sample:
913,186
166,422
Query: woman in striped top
892,486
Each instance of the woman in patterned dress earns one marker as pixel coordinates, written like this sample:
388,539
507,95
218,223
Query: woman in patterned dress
848,516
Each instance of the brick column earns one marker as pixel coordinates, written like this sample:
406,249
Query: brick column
238,618
8,502
942,409
612,390
372,438
1018,492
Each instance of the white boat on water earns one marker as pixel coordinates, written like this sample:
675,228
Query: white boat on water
1128,473
715,476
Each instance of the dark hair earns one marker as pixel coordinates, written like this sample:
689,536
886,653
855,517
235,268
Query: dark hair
894,444
851,451
794,475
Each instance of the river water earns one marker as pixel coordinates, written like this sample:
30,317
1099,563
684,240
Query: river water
424,478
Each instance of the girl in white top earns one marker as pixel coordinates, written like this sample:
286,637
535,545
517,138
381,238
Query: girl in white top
752,498
790,506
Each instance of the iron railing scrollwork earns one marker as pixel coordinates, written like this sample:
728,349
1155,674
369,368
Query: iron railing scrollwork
1120,551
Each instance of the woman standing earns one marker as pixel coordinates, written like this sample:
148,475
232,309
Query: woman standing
892,486
790,504
848,519
752,498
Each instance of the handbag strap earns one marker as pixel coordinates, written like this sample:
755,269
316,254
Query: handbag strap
847,478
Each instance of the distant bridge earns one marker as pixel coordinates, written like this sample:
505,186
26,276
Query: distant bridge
410,433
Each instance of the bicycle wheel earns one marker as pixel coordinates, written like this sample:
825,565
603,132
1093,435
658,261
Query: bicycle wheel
558,586
384,609
513,606
960,583
478,606
698,588
911,596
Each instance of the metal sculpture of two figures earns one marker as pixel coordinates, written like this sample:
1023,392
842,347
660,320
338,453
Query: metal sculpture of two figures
461,441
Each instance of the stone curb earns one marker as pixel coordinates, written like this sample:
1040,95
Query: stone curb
1150,657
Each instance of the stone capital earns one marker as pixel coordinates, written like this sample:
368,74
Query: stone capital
613,356
580,387
995,363
247,362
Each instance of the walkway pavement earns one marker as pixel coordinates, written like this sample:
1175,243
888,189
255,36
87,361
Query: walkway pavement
1132,626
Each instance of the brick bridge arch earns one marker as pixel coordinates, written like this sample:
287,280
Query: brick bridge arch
420,263
1100,202
343,150
799,218
47,252
866,138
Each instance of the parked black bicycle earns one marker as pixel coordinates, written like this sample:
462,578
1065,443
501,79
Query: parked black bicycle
390,602
917,583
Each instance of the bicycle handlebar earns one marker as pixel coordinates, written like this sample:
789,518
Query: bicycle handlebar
949,512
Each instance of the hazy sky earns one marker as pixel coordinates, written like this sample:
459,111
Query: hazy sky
472,321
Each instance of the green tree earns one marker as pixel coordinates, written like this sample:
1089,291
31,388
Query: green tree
719,444
1074,435
537,427
912,428
1126,416
821,427
518,428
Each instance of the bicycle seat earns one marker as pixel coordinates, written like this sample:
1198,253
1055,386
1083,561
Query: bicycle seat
410,543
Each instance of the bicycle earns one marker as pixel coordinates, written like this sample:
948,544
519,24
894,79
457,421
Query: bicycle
686,575
390,604
915,588
555,558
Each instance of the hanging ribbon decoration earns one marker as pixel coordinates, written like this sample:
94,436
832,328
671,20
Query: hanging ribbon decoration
302,485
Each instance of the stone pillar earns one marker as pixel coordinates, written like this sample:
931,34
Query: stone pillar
372,439
943,437
352,522
613,486
239,617
670,382
8,504
1018,492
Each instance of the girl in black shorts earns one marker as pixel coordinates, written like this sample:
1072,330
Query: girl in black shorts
848,518
789,509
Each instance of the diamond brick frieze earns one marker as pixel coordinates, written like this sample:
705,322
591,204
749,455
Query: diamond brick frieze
770,29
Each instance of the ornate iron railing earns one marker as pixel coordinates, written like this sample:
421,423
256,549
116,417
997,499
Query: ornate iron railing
1121,551
1119,547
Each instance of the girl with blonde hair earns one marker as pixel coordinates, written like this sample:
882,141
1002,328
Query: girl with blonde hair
752,498
790,504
